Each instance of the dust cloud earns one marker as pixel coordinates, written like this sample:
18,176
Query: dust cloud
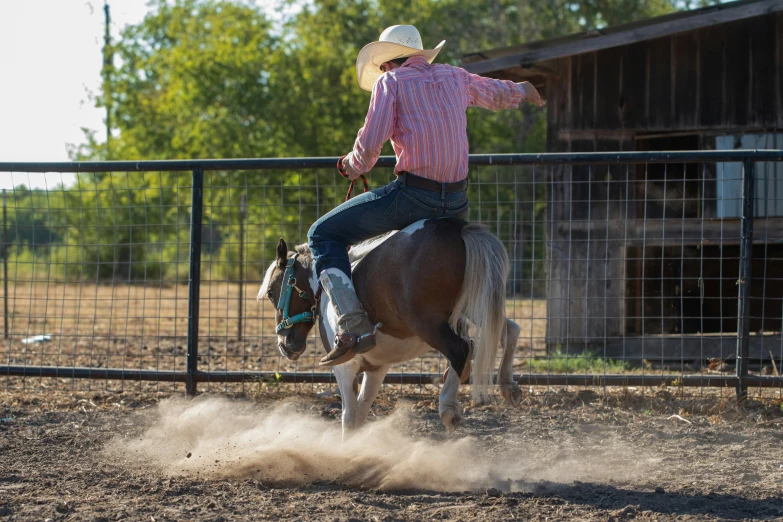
220,438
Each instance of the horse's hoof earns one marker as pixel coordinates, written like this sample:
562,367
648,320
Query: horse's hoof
349,430
451,418
511,392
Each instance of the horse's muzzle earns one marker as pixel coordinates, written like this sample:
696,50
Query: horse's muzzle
292,353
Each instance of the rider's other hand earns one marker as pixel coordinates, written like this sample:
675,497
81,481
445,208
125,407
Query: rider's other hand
531,94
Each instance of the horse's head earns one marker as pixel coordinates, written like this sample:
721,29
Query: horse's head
287,285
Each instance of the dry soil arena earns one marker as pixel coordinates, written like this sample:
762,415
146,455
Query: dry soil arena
565,455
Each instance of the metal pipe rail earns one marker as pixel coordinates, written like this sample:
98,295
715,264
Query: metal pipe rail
578,158
532,379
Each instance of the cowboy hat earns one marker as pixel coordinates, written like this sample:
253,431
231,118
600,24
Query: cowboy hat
397,41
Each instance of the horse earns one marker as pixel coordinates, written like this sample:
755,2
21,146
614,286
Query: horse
437,284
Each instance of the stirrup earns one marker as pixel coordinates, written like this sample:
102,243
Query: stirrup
358,344
348,345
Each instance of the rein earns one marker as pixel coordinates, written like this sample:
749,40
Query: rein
353,181
286,290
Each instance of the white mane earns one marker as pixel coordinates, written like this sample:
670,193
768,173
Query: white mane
265,284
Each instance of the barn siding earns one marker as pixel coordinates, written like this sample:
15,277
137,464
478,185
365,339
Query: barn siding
712,85
710,78
737,74
632,82
705,81
685,67
608,65
778,77
658,85
762,69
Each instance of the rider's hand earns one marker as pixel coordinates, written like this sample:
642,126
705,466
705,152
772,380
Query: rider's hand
346,166
531,94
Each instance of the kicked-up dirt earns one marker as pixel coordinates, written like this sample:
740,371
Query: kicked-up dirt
564,455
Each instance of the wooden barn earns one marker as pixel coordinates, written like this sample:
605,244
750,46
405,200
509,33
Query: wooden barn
643,259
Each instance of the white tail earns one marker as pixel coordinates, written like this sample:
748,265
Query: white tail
480,311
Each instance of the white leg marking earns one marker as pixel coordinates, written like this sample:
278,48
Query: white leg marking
449,408
370,385
345,374
508,388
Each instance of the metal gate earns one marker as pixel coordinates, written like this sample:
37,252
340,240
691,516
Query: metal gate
626,268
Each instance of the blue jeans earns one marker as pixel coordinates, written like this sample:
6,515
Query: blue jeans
373,213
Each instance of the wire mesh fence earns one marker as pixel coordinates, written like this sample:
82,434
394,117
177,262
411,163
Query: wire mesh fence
633,269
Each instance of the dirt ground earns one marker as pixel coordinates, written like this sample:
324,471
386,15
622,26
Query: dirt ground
564,455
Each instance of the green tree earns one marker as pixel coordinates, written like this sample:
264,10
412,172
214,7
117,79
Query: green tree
193,82
120,226
216,78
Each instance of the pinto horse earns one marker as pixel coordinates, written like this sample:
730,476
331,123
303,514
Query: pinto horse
437,284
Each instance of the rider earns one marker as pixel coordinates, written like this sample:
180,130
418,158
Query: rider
421,107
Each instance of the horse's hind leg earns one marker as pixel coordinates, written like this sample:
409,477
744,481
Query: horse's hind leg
508,388
438,334
449,408
442,338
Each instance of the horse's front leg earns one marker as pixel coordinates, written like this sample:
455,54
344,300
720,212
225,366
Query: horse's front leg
508,388
345,375
449,408
370,385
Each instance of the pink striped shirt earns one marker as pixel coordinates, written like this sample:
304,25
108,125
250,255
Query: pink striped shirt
421,108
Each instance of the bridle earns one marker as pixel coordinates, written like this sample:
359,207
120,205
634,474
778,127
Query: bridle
286,289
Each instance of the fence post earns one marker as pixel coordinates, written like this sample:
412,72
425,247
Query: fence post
5,266
194,278
745,277
242,201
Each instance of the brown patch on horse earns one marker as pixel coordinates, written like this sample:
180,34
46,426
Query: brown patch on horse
417,302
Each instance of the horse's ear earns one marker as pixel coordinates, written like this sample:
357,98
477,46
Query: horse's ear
282,253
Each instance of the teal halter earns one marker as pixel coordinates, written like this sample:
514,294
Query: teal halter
286,289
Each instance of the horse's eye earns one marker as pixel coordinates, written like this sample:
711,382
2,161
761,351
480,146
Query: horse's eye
270,295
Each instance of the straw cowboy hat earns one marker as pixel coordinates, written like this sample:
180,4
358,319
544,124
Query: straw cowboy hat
397,41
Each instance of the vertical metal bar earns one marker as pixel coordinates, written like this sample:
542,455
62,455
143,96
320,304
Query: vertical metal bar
743,298
106,73
241,261
5,265
194,278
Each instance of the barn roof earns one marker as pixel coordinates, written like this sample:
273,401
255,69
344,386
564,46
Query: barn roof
527,56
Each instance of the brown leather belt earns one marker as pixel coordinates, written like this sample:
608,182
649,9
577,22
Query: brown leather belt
428,184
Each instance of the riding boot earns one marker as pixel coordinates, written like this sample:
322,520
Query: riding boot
355,333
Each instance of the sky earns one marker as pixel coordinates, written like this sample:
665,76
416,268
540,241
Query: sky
50,64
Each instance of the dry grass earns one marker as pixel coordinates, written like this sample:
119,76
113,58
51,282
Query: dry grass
145,327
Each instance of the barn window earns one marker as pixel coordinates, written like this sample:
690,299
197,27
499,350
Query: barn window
769,177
